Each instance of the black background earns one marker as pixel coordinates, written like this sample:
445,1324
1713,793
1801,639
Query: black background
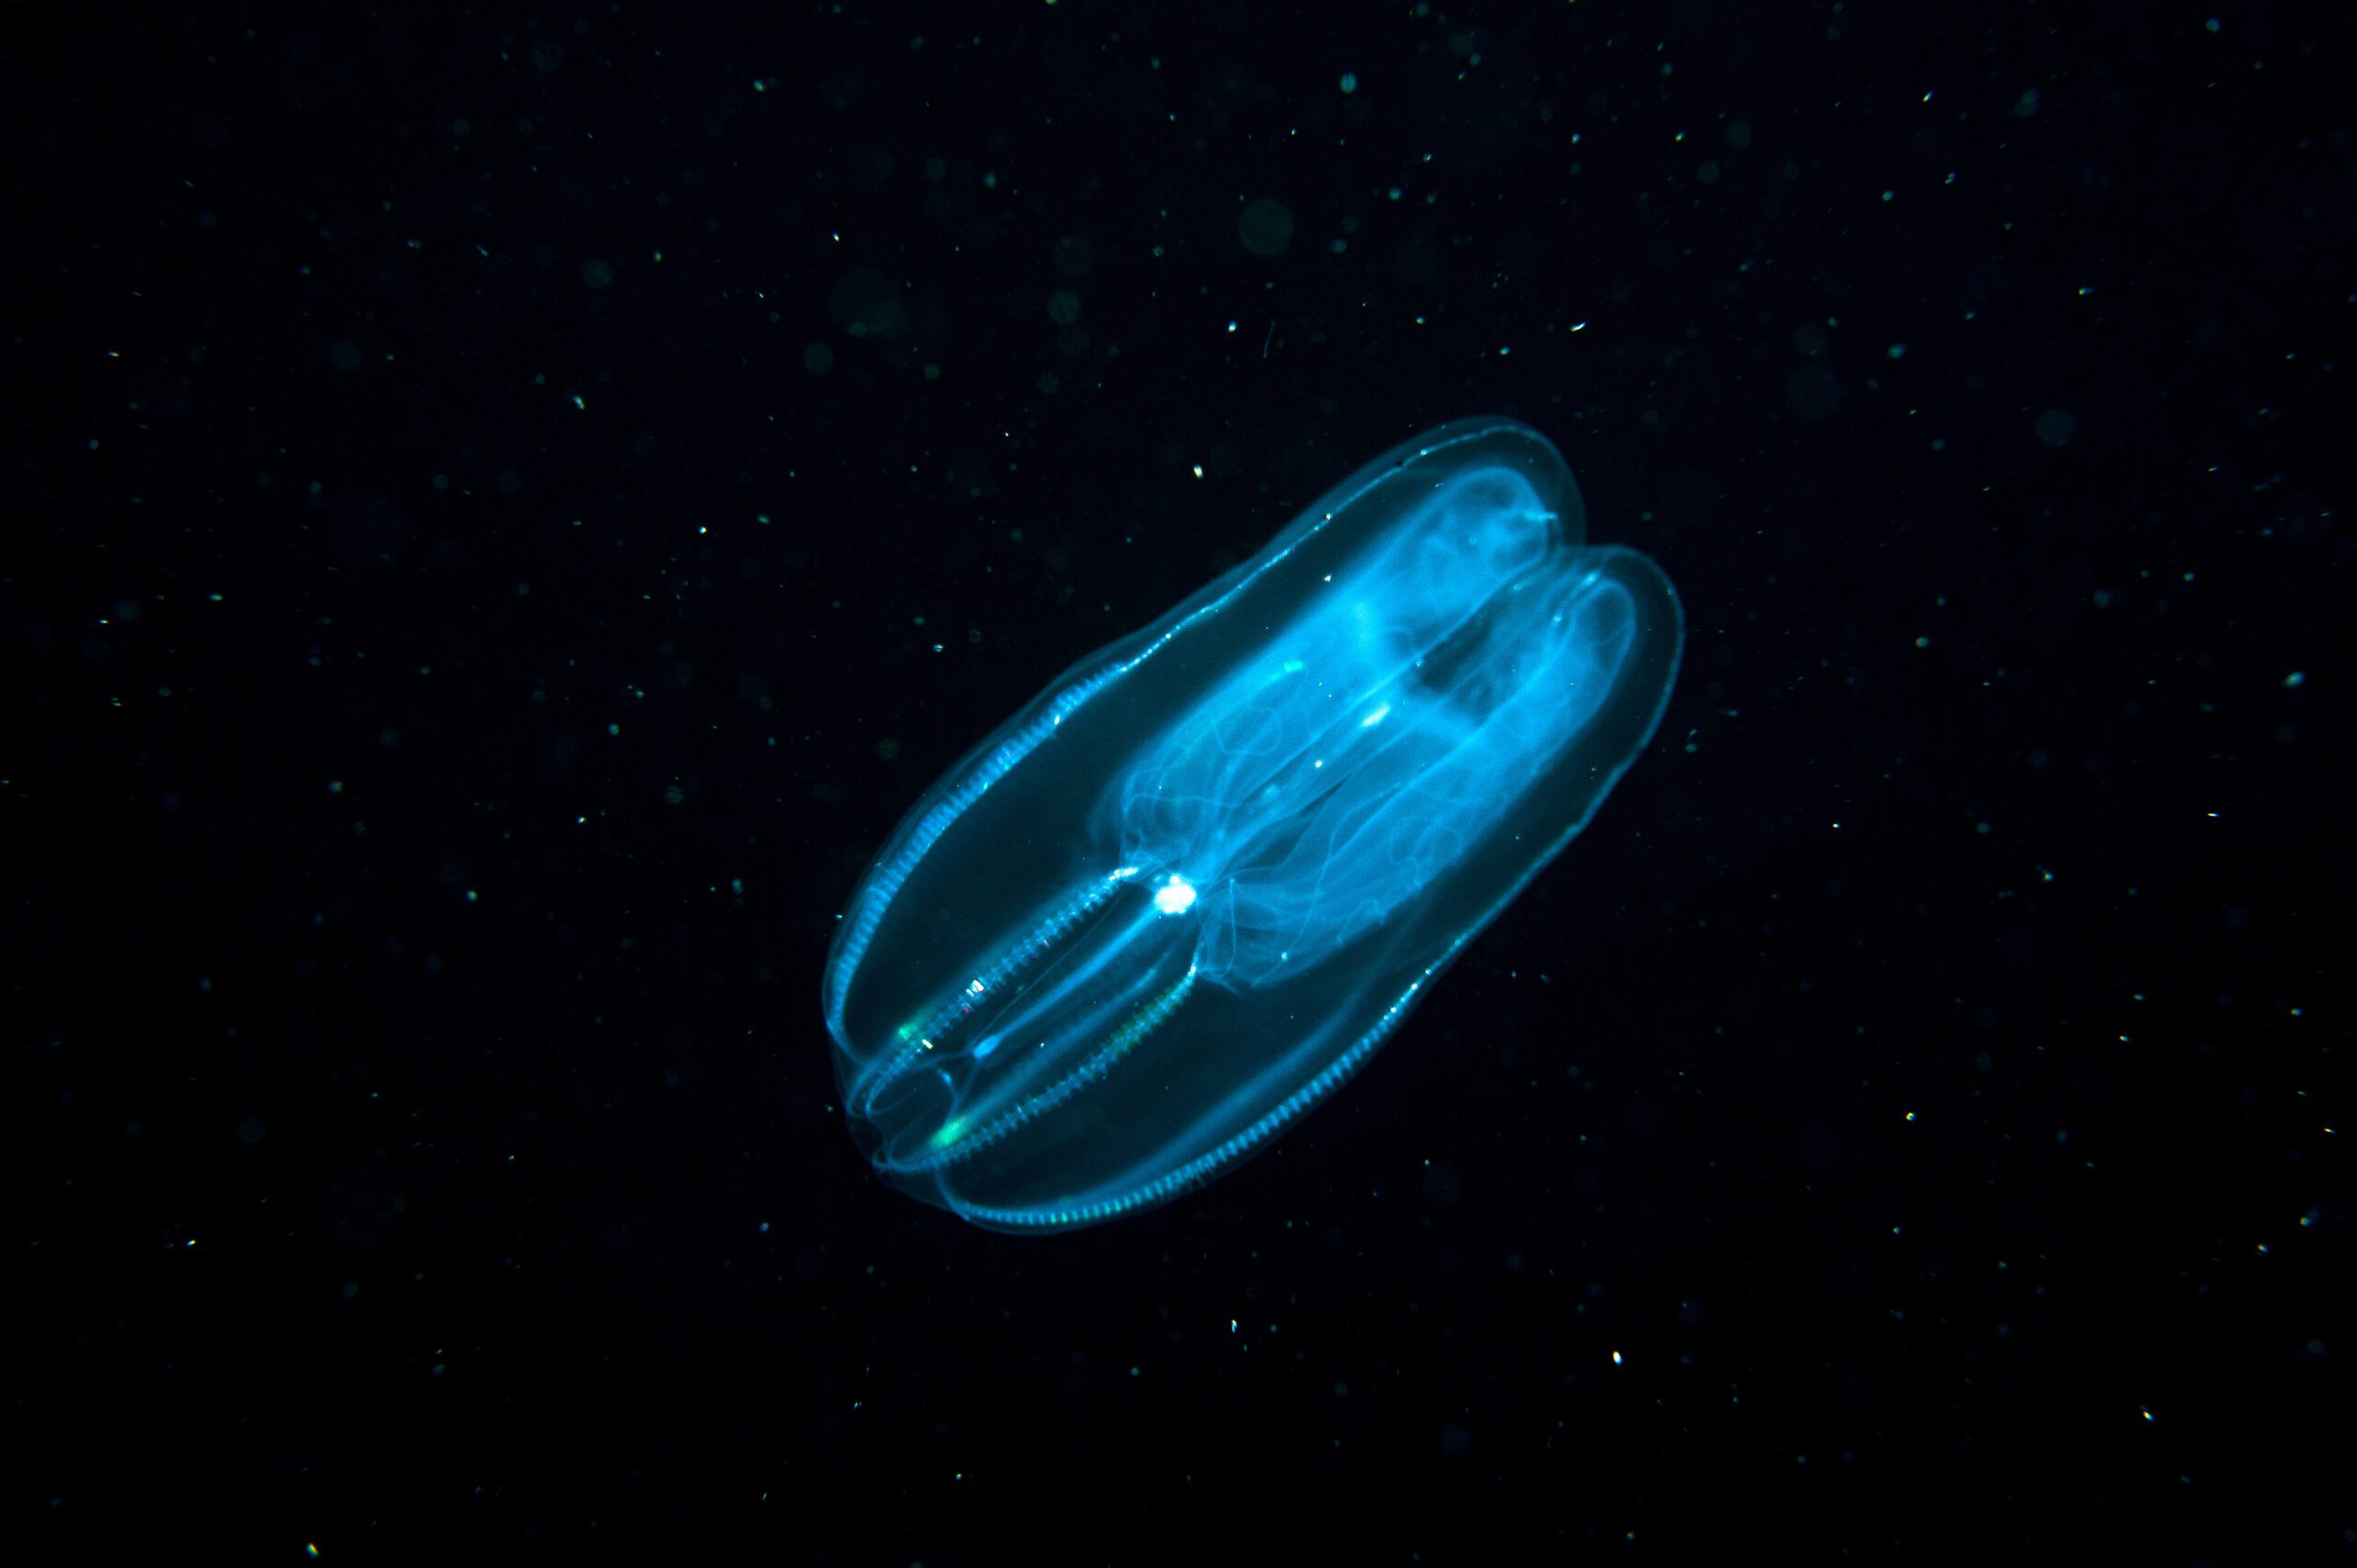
506,508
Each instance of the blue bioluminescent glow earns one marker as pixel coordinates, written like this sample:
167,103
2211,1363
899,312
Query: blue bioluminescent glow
1176,901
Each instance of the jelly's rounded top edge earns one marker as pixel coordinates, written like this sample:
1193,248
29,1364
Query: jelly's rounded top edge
1542,461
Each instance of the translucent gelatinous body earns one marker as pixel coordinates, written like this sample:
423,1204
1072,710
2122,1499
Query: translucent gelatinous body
1188,890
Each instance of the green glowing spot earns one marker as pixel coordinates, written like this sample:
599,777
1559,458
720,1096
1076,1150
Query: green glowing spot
1143,1022
949,1132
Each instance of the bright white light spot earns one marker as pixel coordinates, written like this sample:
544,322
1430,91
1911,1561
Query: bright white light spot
1375,717
1175,896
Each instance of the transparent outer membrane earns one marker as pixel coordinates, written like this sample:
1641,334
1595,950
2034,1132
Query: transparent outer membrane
1193,885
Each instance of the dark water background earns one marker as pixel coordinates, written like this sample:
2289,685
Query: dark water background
507,508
